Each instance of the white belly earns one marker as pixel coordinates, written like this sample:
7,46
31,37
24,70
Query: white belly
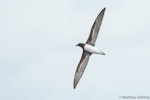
91,49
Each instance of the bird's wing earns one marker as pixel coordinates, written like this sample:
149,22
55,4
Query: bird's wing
95,28
81,67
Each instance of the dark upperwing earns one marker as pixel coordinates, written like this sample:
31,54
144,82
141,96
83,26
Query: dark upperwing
81,67
95,28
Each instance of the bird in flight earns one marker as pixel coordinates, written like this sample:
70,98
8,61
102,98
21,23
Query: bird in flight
89,48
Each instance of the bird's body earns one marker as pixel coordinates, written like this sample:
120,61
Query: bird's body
92,49
89,48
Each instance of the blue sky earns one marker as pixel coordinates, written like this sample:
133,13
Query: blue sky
38,57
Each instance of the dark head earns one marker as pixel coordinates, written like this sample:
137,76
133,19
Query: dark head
80,44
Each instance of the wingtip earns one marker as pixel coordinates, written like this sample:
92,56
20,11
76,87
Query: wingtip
104,9
75,84
74,87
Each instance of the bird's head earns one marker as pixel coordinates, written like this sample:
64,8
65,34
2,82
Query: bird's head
80,44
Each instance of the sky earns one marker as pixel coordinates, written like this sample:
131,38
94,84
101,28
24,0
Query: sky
38,56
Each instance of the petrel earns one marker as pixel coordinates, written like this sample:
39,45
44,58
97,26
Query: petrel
89,48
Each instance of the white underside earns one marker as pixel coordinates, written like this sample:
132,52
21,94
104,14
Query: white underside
92,49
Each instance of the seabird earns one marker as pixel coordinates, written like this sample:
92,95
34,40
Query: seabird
89,48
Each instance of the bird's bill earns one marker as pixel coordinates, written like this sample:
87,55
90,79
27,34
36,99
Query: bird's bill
77,44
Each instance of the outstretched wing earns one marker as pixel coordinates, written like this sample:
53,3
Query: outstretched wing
95,28
81,67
